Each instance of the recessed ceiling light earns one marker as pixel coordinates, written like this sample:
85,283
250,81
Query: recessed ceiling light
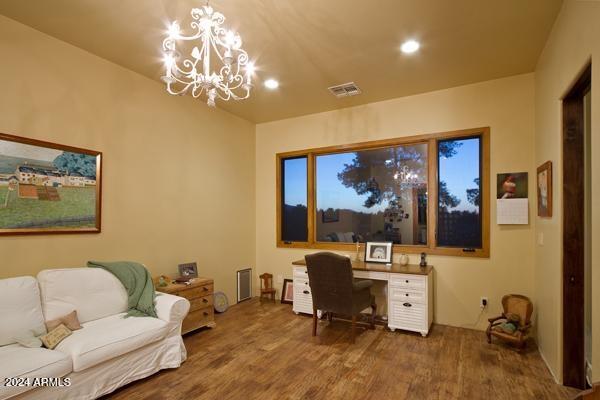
271,84
410,46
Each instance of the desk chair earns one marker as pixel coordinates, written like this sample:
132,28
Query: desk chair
334,290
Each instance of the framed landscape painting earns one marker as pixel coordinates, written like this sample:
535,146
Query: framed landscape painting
48,188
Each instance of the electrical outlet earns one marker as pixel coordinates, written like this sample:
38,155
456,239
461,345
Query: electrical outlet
279,278
483,302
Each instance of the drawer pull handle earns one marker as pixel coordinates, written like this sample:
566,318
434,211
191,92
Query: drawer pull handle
407,281
407,305
205,314
306,292
306,283
406,294
205,288
204,301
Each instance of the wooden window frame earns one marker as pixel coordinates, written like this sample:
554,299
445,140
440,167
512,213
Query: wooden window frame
432,204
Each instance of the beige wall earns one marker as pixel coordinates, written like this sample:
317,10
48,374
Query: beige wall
178,177
506,105
574,40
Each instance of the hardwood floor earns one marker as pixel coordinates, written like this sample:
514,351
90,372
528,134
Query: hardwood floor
265,351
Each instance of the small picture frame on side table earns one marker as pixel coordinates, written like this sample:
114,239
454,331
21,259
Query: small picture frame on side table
188,270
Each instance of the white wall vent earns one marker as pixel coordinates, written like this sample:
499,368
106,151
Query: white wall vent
244,284
345,90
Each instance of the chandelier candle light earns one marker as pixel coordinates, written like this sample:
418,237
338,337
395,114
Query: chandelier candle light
232,76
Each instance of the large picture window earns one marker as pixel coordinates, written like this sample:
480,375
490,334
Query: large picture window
373,195
426,193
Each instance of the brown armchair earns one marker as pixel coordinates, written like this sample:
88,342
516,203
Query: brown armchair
514,304
334,290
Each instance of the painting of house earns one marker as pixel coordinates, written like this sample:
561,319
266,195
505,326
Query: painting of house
7,179
45,187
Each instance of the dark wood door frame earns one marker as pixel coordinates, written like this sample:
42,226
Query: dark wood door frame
574,232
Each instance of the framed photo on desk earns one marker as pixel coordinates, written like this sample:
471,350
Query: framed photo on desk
378,252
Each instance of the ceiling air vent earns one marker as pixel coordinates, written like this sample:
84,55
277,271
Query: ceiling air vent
345,90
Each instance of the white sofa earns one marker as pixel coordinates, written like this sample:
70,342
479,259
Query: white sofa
107,353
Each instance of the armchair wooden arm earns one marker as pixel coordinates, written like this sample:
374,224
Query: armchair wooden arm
524,328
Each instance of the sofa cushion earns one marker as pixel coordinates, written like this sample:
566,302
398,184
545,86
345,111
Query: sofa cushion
94,293
20,308
30,363
110,337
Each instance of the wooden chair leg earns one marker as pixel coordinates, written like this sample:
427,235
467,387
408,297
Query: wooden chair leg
314,330
329,316
353,333
488,332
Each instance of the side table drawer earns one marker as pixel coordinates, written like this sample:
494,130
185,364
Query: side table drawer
196,292
197,319
198,303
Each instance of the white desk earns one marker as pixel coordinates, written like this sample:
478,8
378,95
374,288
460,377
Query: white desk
409,292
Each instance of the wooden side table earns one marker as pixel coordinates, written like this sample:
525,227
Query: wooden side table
200,295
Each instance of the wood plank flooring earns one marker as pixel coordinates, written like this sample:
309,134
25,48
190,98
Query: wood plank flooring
265,351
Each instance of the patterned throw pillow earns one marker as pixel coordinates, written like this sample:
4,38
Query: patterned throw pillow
70,321
57,335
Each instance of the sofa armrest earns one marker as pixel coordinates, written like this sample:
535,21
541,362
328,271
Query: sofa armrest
170,308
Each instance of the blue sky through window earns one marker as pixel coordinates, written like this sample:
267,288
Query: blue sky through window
458,171
295,181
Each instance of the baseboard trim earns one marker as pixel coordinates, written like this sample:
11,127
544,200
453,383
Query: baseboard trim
548,366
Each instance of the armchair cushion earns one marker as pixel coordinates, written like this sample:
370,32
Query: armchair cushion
361,285
361,301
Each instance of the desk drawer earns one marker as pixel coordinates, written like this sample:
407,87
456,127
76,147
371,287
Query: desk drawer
301,283
302,290
403,295
300,272
415,282
378,276
409,316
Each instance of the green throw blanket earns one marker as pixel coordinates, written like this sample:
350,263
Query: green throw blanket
138,283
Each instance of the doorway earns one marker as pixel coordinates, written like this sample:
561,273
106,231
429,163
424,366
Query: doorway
576,224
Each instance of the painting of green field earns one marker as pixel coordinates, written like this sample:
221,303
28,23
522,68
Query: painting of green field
47,187
77,207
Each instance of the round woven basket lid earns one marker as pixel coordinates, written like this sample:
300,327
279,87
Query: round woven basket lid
221,302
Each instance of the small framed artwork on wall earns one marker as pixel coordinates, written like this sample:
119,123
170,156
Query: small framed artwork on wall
544,189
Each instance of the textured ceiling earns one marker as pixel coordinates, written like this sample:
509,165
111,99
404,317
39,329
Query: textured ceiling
309,45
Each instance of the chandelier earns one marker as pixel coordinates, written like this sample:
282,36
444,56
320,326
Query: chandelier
217,66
